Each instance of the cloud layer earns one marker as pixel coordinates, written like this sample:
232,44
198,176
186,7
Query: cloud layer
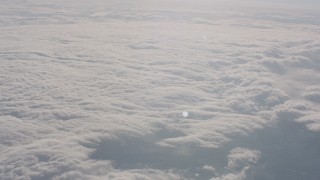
97,91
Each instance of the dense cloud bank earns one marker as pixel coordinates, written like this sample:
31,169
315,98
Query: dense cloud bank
96,90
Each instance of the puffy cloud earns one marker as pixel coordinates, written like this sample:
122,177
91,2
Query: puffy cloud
241,157
240,161
96,90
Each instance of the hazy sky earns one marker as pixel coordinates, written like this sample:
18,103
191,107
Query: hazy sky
297,3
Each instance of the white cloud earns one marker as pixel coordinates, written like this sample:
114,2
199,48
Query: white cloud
241,157
240,161
96,90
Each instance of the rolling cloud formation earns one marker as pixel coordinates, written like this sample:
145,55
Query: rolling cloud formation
97,90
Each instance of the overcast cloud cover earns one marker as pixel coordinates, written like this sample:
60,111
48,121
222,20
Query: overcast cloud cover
96,89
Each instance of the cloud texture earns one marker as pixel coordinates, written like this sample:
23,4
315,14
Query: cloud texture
96,90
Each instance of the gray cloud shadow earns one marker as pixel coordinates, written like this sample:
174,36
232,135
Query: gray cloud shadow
142,152
289,151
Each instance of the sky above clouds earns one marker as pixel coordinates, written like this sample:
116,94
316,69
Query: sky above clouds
159,90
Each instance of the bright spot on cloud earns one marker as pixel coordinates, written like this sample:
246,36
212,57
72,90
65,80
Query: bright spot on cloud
185,114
